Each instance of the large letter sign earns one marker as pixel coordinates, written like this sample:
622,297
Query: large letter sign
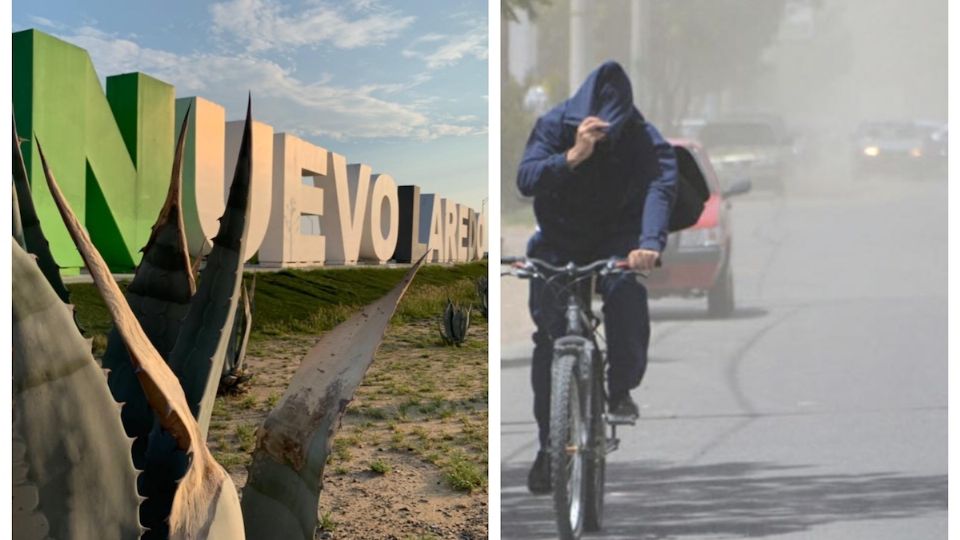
112,153
203,170
409,246
345,204
297,167
383,218
431,226
261,181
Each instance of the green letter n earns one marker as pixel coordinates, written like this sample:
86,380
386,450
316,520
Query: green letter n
111,153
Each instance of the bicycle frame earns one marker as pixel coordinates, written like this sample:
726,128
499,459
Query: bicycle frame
580,336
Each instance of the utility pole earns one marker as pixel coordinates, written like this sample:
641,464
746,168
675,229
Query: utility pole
578,43
636,48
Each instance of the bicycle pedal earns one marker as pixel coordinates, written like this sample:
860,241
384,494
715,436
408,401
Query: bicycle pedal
613,444
615,420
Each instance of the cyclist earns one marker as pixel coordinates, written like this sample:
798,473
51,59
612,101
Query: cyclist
604,182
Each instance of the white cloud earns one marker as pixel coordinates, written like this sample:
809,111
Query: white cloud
263,25
438,50
43,21
321,108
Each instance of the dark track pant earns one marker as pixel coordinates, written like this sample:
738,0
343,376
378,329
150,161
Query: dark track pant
626,321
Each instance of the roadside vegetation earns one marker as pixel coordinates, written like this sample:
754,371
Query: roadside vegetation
422,408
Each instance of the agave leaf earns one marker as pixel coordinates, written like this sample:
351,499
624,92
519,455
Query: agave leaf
244,338
454,325
36,243
159,297
285,477
198,356
195,265
237,348
17,225
446,324
72,473
482,293
206,499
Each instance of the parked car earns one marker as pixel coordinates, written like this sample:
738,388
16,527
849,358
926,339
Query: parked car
696,261
757,147
899,147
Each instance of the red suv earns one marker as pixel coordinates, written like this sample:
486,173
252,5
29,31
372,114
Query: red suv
696,261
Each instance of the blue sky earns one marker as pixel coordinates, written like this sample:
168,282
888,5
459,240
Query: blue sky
398,85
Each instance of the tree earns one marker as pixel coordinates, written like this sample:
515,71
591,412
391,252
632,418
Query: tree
693,51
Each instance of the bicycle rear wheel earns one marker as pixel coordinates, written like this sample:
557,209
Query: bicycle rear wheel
596,460
569,437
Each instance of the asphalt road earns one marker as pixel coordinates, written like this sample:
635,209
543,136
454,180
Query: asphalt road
819,410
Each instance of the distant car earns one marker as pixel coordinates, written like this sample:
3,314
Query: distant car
899,147
757,147
936,148
696,261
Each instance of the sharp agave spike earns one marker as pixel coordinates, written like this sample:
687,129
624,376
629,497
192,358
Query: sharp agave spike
285,477
198,356
36,242
206,499
159,297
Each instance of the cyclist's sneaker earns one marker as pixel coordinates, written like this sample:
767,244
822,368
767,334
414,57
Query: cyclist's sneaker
538,482
622,406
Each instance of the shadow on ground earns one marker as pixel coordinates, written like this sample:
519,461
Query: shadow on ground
650,500
694,313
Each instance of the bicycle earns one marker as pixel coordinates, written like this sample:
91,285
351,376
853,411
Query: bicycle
579,443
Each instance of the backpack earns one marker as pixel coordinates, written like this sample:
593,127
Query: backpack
692,191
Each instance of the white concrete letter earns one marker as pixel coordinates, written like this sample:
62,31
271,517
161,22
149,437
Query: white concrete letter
383,220
203,201
448,209
463,233
482,232
296,166
261,182
344,207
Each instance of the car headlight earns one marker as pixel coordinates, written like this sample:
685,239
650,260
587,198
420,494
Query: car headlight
699,238
916,152
871,151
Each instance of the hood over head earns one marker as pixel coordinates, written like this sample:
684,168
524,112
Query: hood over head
607,94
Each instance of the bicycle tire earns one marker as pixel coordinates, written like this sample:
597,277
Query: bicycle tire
567,438
596,465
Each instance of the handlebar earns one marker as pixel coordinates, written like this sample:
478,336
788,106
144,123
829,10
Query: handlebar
529,267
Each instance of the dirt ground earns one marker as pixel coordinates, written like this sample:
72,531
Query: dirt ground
410,460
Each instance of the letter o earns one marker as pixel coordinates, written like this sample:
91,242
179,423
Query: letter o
380,232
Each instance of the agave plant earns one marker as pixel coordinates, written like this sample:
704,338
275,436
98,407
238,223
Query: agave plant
482,294
26,223
234,374
124,455
455,323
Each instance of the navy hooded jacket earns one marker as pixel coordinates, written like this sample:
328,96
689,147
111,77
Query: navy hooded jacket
626,188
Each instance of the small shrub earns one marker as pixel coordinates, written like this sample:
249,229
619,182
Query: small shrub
380,467
327,523
463,475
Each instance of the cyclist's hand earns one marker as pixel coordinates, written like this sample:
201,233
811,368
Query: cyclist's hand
643,260
589,133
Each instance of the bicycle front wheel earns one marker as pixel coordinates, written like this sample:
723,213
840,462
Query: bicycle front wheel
596,459
569,436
